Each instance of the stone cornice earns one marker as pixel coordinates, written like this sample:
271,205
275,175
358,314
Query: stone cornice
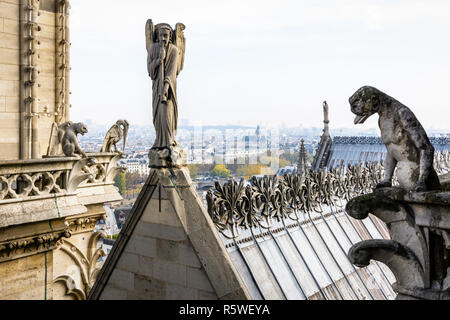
21,241
85,222
36,210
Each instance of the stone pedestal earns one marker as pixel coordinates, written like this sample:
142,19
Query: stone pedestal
419,250
173,157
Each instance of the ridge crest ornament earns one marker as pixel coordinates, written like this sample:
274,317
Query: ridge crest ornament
165,59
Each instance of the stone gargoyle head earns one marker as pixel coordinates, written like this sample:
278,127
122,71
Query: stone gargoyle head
365,102
80,128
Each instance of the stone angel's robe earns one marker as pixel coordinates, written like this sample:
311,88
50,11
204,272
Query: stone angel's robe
165,115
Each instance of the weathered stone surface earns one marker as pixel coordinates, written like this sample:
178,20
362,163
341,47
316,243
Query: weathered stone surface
112,293
177,292
167,250
196,278
153,214
187,256
169,272
88,194
148,288
11,26
161,231
142,246
47,5
45,209
9,72
146,266
7,88
130,262
25,278
202,295
122,279
9,10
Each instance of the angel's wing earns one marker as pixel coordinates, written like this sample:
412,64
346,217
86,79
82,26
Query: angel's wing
180,43
54,141
56,135
149,39
149,34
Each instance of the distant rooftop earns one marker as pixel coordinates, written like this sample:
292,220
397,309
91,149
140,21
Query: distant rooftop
436,141
347,150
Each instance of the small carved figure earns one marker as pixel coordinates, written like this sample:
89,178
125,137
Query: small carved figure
408,147
114,134
64,139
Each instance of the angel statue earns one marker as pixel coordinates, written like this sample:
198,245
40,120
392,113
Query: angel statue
165,48
114,134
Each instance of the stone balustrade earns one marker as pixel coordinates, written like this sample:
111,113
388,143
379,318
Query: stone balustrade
27,179
49,209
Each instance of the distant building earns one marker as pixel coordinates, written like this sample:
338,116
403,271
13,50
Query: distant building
355,150
109,225
286,170
139,165
106,244
121,214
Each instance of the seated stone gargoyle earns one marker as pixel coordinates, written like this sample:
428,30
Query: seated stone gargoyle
64,140
407,144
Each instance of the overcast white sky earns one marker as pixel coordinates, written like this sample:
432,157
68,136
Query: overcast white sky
269,62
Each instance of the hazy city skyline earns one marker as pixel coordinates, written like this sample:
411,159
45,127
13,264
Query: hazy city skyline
263,62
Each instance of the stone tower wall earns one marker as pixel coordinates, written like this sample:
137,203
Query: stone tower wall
34,73
9,79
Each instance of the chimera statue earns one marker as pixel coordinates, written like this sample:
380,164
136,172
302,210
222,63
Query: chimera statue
64,140
407,144
114,134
